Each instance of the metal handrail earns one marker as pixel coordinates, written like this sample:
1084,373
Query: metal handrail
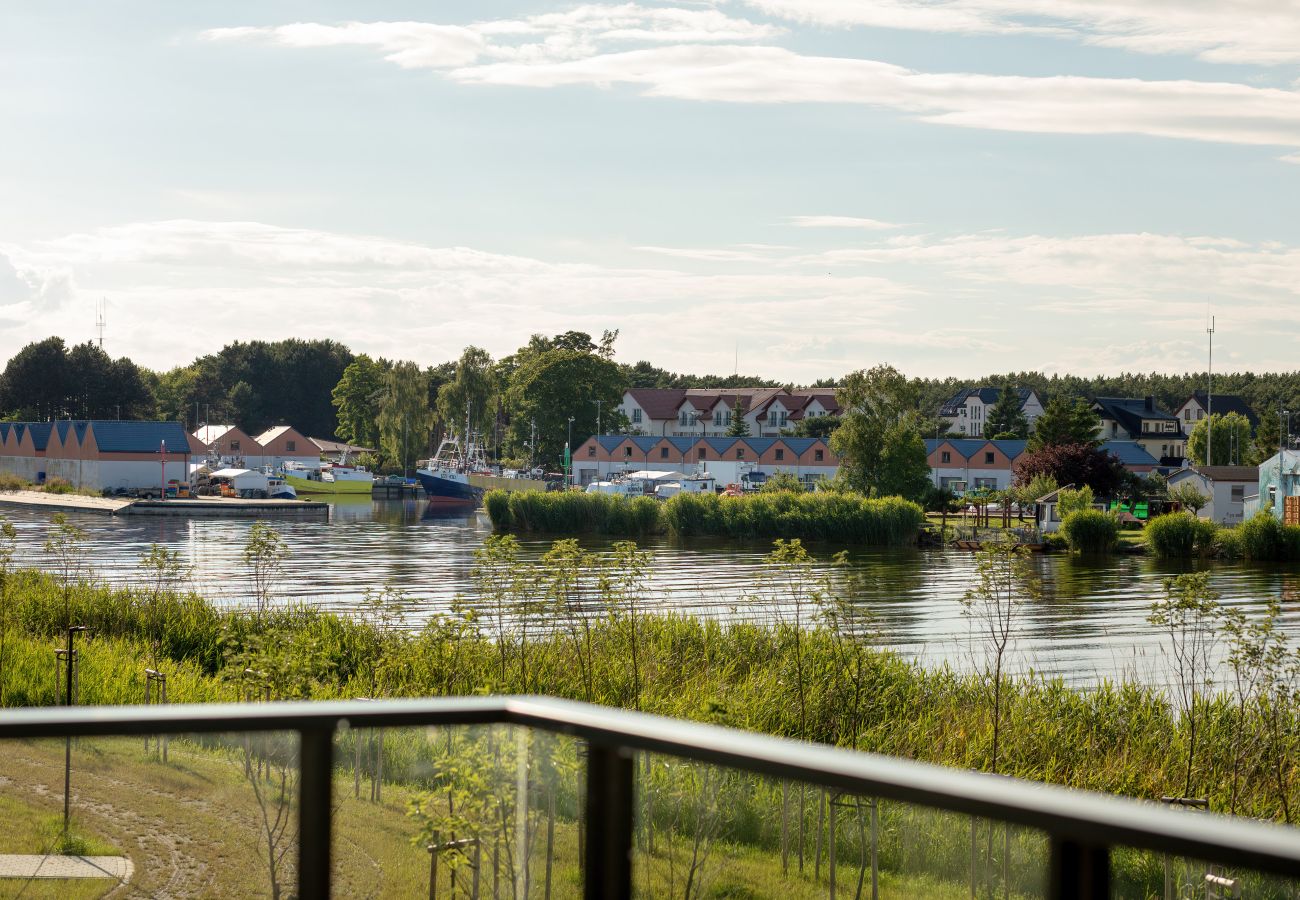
1080,825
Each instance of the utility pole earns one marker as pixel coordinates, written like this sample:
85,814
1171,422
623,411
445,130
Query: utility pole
1209,398
71,661
101,320
598,403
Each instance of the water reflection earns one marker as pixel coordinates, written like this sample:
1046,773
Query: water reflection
1091,623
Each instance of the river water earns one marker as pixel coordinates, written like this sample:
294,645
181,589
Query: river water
1091,623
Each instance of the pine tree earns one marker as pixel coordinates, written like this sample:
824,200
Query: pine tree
739,427
1268,436
1065,421
1006,417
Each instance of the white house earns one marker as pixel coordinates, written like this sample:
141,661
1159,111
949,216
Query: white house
709,412
967,410
1226,487
1193,409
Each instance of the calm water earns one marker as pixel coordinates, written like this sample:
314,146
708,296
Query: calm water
1091,624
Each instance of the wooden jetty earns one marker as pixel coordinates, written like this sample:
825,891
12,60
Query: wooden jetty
202,506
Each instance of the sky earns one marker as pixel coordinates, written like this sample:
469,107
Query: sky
797,187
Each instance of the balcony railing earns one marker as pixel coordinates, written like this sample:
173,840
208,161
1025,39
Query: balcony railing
1079,829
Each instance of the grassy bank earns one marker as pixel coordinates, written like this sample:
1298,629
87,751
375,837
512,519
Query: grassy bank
845,518
578,624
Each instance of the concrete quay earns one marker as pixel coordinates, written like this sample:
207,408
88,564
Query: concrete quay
200,506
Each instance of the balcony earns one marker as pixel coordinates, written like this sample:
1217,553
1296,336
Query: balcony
537,797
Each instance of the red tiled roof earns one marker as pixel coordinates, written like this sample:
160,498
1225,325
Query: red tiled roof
659,403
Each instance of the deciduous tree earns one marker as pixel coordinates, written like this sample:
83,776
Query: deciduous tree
1230,435
1078,464
356,397
404,416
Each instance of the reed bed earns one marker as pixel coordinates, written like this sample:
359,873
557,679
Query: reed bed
841,517
1262,538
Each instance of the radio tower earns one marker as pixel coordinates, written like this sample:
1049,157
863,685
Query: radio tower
101,320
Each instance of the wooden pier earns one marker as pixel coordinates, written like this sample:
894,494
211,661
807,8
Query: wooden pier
203,506
384,490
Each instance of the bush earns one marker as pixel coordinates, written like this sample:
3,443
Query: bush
1180,535
825,516
1071,501
1090,531
1264,538
10,482
58,486
1227,543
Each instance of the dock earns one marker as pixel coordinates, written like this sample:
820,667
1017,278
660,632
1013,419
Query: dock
202,506
384,490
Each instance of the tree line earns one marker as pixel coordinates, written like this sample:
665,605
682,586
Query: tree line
527,405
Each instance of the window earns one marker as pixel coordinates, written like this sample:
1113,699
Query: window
963,412
1238,493
740,453
663,452
988,459
726,418
780,454
684,418
945,457
990,483
1200,414
700,453
234,445
627,452
591,451
717,417
1187,414
1171,426
818,455
771,417
783,420
290,446
636,416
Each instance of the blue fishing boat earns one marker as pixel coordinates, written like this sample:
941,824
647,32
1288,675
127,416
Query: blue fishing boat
445,477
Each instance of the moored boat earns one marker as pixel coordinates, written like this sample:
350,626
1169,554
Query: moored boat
330,479
446,477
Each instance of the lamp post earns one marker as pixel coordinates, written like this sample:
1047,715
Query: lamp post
568,450
67,741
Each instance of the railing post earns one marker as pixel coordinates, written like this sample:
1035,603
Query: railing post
1079,871
610,807
315,785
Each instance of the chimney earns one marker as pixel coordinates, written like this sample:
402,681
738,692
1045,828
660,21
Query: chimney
1151,403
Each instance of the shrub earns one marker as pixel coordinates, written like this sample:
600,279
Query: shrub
58,486
10,482
1227,543
1090,531
1261,537
844,517
571,512
1180,535
1074,501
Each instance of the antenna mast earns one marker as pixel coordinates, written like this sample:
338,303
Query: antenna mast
101,320
1209,397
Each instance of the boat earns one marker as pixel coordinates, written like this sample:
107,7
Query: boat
446,476
279,489
338,478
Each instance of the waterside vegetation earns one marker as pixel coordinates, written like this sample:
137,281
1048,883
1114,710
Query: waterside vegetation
843,517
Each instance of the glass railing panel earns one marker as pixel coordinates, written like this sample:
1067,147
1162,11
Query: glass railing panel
706,831
1157,876
200,815
476,811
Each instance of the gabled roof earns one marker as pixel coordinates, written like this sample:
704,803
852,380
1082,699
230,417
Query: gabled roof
210,434
987,395
139,437
1130,453
1223,404
1221,473
967,447
1130,411
40,432
272,433
658,403
720,445
325,446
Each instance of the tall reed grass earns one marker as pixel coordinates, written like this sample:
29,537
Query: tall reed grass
1262,538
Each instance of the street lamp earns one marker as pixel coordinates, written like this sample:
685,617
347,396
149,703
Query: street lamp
568,450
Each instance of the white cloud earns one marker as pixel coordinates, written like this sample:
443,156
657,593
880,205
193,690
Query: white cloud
1291,158
841,222
251,280
1263,32
549,37
32,284
703,55
1207,111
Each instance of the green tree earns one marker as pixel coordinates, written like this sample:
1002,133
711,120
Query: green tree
35,382
815,427
739,426
356,397
1006,417
405,419
1268,437
904,467
551,386
1230,434
1066,421
875,401
473,389
1075,500
1189,496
